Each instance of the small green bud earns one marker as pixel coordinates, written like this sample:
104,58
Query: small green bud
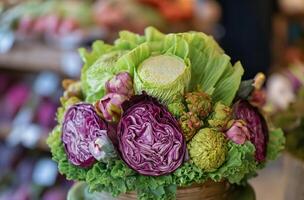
190,124
199,103
177,108
220,117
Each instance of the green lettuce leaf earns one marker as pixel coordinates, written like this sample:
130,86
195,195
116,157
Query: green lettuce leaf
172,46
89,58
276,144
188,174
239,164
226,89
94,77
114,177
211,70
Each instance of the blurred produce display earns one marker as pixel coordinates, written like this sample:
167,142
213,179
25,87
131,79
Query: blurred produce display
285,93
126,14
28,105
28,174
45,34
52,21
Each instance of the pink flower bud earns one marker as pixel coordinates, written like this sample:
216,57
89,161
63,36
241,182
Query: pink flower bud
110,106
120,84
238,132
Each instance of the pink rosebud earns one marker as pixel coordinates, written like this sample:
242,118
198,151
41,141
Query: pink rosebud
238,132
110,106
120,84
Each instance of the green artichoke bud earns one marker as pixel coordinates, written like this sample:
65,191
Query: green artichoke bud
220,116
199,103
71,88
208,149
190,124
177,108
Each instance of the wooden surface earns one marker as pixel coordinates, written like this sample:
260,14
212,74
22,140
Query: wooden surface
206,191
31,56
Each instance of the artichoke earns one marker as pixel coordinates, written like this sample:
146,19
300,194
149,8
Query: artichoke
238,132
208,149
121,84
177,108
199,103
109,107
220,117
190,124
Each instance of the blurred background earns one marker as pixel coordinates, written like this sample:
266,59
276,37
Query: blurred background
39,43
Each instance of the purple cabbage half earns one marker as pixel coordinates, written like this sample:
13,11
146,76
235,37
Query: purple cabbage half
150,139
256,124
81,126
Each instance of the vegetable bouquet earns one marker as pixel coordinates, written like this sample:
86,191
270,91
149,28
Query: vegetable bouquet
155,112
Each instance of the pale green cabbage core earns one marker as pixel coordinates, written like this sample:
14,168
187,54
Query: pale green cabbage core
161,70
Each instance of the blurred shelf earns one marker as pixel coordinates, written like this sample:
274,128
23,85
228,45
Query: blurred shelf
32,56
41,144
